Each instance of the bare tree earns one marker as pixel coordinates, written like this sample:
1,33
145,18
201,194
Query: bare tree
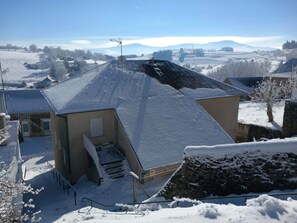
269,92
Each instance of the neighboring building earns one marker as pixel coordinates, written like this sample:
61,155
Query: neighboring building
141,108
247,84
30,108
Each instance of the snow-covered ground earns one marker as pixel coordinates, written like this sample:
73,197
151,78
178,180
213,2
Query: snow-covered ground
264,209
18,73
255,113
57,206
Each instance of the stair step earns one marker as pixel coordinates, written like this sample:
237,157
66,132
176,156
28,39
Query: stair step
113,165
117,175
113,171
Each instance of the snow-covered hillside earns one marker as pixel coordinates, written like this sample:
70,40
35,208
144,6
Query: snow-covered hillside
18,73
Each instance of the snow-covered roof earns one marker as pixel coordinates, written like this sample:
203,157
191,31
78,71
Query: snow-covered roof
203,93
247,84
158,119
25,101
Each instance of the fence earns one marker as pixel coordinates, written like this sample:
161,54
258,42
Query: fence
63,183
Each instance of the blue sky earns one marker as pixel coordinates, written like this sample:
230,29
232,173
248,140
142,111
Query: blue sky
91,23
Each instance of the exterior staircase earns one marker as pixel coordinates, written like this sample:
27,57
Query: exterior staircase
114,170
111,159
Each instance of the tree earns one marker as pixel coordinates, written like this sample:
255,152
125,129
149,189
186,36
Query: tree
10,208
182,55
241,69
58,71
227,49
290,45
33,48
269,92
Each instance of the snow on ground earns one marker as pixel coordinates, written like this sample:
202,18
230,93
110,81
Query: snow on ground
255,113
263,209
53,202
14,60
57,206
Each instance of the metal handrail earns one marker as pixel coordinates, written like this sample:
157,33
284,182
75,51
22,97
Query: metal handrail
58,176
84,199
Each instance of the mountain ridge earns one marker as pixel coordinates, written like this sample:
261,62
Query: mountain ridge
136,48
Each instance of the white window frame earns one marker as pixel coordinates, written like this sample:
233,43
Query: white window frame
49,122
96,127
28,123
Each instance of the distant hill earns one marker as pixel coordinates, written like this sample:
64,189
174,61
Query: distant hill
143,49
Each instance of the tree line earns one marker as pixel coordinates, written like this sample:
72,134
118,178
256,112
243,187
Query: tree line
290,44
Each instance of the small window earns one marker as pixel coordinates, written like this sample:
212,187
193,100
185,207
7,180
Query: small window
26,128
46,124
96,127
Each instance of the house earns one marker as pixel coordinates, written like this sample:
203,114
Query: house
136,111
30,108
247,84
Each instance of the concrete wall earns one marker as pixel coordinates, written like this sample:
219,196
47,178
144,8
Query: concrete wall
224,110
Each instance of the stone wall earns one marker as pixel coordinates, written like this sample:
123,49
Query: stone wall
290,119
249,132
240,173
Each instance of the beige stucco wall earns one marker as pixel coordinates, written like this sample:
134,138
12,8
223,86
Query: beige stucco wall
224,110
161,171
59,135
79,124
70,132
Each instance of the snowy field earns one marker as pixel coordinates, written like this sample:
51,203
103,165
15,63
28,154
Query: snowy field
57,206
18,73
255,113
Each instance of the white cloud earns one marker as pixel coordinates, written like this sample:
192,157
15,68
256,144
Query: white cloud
81,42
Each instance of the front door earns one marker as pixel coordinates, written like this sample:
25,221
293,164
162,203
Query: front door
26,128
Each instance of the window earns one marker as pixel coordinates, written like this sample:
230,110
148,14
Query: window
26,128
46,124
96,127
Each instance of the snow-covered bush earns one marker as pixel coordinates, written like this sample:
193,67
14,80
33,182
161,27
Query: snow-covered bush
11,206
